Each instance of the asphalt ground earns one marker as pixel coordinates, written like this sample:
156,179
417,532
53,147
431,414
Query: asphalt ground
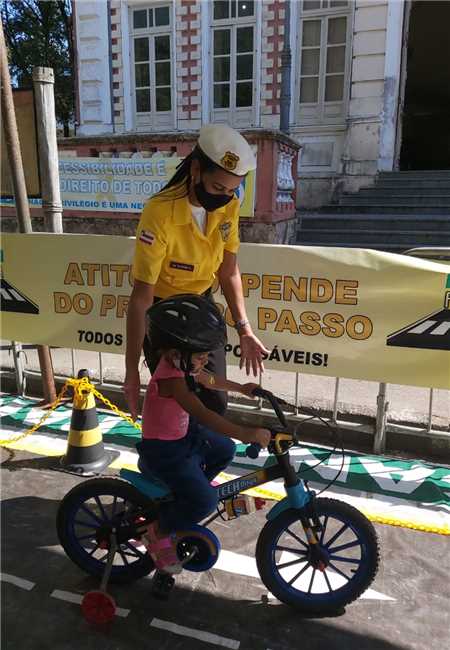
406,608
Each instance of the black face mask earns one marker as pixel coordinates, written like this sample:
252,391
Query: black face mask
210,201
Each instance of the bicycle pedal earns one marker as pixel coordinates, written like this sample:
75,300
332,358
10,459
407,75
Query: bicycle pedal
162,585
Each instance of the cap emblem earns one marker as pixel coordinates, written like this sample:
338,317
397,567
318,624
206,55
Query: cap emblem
229,161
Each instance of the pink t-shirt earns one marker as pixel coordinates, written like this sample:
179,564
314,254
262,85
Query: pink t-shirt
162,417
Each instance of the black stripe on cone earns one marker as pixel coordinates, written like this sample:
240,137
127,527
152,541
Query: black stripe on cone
83,458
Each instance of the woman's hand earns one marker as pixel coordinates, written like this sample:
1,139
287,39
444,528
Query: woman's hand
131,388
251,353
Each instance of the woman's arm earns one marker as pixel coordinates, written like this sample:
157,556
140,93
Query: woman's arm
140,300
251,347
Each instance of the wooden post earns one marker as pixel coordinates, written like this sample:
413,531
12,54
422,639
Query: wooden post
44,97
12,141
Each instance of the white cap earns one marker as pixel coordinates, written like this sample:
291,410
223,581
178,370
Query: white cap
227,148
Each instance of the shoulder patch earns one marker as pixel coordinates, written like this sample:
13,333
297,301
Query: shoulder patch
147,237
225,229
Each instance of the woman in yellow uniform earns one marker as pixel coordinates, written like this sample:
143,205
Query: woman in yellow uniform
187,236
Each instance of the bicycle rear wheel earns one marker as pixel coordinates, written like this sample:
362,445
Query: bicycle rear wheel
89,512
349,544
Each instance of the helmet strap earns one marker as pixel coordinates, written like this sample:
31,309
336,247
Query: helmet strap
186,367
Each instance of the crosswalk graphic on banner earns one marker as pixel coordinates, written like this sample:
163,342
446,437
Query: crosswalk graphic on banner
12,300
431,333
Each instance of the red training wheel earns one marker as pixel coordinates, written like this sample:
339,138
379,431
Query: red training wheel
98,607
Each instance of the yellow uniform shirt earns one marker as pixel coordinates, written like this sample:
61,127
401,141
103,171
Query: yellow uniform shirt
171,252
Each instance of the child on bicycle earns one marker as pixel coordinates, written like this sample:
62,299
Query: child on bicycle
183,442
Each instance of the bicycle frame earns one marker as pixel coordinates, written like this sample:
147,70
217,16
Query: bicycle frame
297,495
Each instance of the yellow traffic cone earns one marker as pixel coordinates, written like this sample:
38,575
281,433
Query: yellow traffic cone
85,451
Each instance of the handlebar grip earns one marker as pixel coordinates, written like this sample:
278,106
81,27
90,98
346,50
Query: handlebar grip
252,451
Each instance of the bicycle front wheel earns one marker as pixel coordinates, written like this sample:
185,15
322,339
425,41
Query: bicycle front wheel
348,544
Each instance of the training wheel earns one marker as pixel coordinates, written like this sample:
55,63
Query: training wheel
98,607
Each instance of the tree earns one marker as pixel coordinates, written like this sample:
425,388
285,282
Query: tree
39,33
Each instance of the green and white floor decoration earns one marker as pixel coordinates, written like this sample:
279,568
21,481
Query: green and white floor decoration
408,493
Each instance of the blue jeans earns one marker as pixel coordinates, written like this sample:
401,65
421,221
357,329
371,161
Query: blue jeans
188,466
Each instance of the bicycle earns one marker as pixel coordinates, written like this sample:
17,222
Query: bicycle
315,554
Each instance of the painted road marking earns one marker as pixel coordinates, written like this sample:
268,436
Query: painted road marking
69,597
195,634
19,582
245,565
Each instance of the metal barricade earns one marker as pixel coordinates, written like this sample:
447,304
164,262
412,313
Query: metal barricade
382,403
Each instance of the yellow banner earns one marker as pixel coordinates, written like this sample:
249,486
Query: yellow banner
330,311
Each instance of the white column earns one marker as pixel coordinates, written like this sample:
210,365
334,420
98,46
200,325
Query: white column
206,41
295,20
93,67
126,70
392,71
258,46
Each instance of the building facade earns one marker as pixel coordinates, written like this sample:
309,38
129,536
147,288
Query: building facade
367,78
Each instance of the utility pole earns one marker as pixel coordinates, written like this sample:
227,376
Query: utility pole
20,194
286,63
44,102
12,141
44,98
21,200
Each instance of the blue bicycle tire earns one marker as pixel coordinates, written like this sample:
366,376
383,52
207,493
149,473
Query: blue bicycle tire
365,544
70,508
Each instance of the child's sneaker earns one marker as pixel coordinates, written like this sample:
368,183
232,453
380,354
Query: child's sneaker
163,551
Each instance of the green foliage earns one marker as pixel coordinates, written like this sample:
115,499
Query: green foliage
39,33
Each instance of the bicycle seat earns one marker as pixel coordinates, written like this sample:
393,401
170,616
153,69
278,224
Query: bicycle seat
145,481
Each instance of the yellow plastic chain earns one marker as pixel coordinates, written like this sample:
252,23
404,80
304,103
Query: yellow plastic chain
80,386
54,405
114,408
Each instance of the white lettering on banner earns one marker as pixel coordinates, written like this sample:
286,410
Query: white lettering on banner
113,184
114,167
123,184
410,478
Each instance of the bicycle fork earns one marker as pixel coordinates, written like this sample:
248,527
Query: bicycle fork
304,500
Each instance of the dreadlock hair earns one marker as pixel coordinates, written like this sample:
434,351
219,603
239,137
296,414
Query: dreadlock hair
179,185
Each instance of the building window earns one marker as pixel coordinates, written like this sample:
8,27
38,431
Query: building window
324,46
233,61
151,55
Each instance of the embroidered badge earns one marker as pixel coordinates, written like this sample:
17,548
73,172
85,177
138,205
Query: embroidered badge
147,237
225,229
229,161
181,266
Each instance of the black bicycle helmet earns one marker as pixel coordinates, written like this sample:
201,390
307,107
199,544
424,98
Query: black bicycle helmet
188,323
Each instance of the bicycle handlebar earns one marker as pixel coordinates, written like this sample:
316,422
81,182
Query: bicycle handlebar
270,397
252,451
